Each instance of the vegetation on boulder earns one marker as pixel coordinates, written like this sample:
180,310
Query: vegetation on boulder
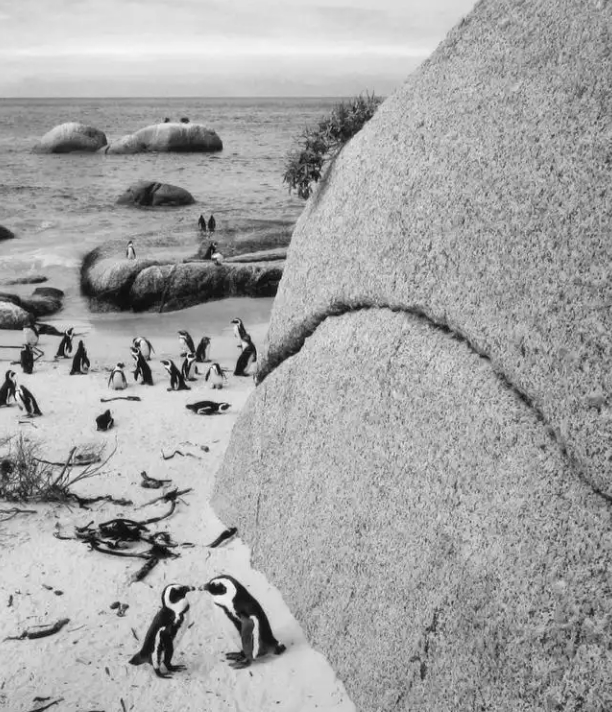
317,146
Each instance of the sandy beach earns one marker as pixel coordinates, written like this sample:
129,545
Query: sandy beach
85,665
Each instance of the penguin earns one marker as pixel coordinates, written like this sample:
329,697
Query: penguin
130,252
247,358
177,382
212,224
202,224
189,367
65,346
216,375
217,258
248,616
239,330
31,336
207,407
202,352
104,421
8,388
26,400
117,380
145,346
186,342
210,251
26,358
142,369
159,641
80,362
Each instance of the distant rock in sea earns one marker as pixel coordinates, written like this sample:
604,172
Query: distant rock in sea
71,137
188,138
151,193
6,234
16,312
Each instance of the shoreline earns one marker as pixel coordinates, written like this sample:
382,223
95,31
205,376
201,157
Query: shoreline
86,663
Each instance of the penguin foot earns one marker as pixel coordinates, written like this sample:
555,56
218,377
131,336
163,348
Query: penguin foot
159,673
176,668
235,656
240,664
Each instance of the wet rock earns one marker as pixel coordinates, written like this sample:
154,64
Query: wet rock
71,137
151,193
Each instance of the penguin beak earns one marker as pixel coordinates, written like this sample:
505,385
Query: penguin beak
204,587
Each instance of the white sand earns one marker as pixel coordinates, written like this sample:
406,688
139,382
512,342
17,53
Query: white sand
86,663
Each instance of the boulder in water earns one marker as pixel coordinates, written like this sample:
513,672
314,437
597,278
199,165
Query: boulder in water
151,193
6,234
71,137
170,136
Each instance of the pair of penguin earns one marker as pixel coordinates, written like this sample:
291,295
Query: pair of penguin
80,362
248,357
212,223
188,346
243,610
20,394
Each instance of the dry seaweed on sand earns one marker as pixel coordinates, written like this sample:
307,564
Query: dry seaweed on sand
40,631
224,536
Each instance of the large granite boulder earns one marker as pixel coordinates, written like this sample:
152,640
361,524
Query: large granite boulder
194,138
156,285
16,311
12,316
424,468
151,193
71,137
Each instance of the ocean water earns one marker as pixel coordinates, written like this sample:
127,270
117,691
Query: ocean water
62,206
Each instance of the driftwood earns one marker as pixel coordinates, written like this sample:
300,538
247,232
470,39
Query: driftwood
78,462
127,398
45,707
152,482
178,452
40,631
14,512
224,536
83,502
168,497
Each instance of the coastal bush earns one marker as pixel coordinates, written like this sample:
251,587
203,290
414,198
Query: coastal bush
317,146
24,476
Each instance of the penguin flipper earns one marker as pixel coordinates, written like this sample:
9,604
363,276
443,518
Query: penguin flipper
246,635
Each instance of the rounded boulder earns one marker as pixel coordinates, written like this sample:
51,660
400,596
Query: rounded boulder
71,137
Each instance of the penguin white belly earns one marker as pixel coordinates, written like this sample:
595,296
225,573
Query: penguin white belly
118,382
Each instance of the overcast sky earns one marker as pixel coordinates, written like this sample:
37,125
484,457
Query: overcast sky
216,47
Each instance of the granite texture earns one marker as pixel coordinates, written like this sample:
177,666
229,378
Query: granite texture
71,137
481,194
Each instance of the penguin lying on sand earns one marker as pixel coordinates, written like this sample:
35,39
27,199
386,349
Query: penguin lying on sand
158,644
249,618
105,421
207,407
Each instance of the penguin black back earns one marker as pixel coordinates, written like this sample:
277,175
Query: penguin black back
25,398
212,224
80,362
104,421
177,382
26,358
202,350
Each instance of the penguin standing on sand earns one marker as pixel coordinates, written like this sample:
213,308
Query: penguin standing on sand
105,421
203,350
186,342
177,382
216,376
145,346
207,407
26,359
212,224
130,252
142,370
117,380
65,346
8,388
239,330
189,367
202,223
26,401
247,358
160,639
80,362
248,616
31,336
